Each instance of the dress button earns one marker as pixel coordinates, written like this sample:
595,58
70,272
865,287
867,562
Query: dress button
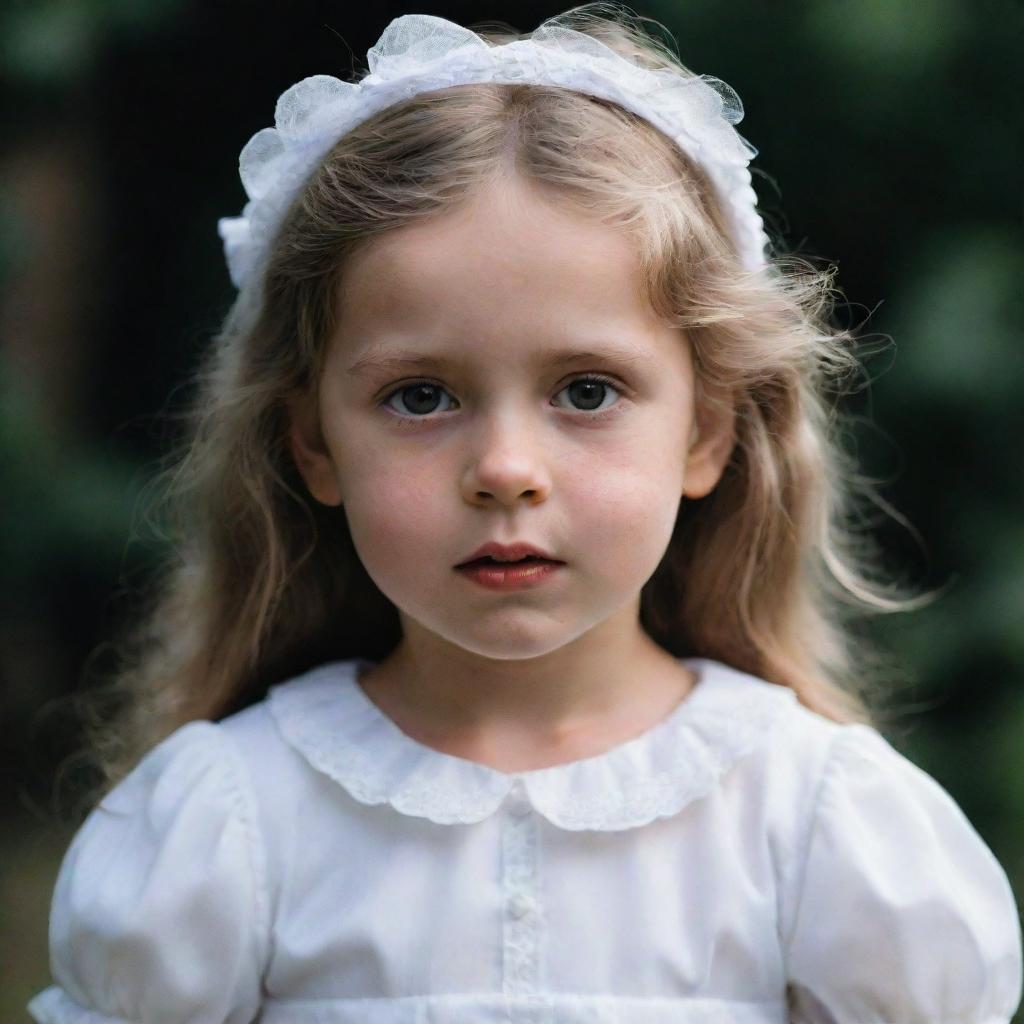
521,904
518,801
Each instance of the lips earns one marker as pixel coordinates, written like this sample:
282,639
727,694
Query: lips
493,553
530,559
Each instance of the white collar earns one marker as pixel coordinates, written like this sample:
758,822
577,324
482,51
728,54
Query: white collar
327,717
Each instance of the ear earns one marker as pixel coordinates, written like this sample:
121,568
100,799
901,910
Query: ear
711,443
312,457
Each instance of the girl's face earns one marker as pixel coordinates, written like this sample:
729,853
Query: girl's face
458,405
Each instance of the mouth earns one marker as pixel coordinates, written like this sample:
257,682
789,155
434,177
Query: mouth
494,553
525,573
495,563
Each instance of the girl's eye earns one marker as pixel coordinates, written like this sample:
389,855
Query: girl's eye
590,391
421,397
418,398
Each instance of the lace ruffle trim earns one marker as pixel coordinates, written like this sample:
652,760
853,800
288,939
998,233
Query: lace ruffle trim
419,53
331,722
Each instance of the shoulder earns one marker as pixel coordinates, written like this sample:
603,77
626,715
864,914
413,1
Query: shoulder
805,739
807,752
889,876
880,869
272,745
261,735
194,768
798,774
160,905
814,765
794,748
853,766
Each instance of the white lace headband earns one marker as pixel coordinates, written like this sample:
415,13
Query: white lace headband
420,52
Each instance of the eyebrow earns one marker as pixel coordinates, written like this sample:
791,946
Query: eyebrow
395,359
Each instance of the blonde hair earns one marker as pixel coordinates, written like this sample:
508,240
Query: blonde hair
260,582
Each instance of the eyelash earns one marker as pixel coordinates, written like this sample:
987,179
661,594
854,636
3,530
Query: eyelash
595,378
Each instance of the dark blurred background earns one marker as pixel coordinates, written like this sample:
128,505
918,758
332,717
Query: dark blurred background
889,138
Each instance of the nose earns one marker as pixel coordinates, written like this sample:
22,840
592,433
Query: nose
506,467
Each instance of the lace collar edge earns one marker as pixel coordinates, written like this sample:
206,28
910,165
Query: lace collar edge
343,735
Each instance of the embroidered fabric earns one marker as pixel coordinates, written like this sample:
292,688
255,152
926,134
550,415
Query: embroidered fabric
419,53
327,717
525,926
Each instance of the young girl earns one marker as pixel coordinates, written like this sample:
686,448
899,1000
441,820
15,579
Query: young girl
508,299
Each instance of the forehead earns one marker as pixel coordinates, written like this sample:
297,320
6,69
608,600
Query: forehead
505,262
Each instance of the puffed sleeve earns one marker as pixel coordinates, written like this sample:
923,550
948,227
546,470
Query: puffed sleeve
903,914
159,910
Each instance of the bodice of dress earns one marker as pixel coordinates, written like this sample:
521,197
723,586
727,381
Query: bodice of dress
743,861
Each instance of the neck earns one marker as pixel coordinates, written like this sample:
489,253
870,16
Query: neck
611,679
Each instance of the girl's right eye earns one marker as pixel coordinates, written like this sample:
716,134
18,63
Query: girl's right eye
418,399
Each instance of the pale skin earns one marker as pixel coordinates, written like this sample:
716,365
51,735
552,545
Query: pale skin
500,447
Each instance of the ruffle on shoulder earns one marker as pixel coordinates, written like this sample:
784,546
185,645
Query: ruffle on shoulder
900,890
159,911
327,717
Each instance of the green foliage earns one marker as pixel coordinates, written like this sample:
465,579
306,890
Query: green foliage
56,41
63,503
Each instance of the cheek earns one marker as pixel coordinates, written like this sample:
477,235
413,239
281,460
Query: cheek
625,504
397,515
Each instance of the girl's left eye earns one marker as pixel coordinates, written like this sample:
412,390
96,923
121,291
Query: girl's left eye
420,396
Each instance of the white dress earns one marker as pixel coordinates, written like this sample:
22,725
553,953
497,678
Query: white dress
744,861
